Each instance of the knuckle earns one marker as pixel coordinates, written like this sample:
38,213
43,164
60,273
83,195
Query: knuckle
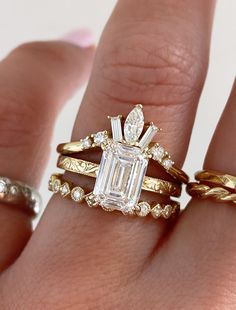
43,53
139,69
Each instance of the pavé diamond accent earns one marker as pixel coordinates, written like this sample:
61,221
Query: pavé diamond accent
134,125
120,177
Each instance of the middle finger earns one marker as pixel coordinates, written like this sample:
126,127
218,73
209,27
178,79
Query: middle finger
154,53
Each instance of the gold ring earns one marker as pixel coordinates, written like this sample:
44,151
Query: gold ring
218,186
20,195
225,180
57,184
154,150
121,174
90,169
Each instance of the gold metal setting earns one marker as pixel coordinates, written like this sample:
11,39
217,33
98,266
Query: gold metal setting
163,158
120,176
216,178
91,169
218,186
58,185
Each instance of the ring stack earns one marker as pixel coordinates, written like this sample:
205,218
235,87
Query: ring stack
211,184
121,174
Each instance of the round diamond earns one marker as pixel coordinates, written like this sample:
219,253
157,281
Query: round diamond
56,186
167,163
100,137
3,187
77,194
87,143
143,209
158,153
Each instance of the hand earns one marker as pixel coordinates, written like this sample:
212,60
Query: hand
152,52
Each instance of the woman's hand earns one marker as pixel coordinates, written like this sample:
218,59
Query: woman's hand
153,52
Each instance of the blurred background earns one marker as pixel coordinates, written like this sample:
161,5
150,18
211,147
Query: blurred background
26,20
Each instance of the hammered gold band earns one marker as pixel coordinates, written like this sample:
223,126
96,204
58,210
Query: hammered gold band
57,184
226,180
87,168
218,186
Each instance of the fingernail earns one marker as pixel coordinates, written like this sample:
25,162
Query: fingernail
82,37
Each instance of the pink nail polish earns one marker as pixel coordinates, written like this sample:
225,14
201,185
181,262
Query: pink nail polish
81,37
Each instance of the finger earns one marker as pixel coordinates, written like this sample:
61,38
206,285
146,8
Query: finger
154,54
35,80
210,227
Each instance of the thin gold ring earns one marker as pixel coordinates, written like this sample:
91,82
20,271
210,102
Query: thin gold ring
67,189
226,180
219,194
91,169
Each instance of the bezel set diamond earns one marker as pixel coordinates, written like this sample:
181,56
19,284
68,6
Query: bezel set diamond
122,170
142,209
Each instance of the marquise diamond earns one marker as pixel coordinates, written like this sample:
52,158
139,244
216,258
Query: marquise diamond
134,125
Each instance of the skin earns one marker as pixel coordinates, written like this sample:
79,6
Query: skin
154,52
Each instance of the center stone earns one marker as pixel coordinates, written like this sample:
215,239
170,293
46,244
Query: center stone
120,177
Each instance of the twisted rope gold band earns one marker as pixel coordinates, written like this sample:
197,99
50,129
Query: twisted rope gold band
91,169
219,194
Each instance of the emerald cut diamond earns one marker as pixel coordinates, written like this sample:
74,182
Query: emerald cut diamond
120,177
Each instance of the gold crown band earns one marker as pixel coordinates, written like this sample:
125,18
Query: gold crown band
57,184
91,169
156,152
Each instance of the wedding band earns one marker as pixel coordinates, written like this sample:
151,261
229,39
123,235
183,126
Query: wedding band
57,184
216,178
90,169
121,174
154,150
218,186
20,195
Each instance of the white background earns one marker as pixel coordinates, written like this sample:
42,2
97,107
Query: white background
25,20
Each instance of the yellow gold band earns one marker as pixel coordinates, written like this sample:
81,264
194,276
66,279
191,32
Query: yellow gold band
67,189
91,169
216,178
219,194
